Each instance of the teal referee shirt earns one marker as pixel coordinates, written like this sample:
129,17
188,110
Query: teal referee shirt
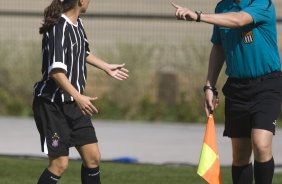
250,51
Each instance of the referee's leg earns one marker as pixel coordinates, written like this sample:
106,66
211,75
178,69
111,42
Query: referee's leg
242,170
264,162
90,155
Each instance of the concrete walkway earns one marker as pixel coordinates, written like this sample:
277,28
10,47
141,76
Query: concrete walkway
153,143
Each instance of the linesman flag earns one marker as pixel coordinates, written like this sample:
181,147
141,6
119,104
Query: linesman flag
209,166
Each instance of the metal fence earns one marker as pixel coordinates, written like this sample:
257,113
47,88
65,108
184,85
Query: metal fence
112,21
117,27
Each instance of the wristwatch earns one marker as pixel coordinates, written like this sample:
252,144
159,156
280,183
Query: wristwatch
199,13
208,87
213,89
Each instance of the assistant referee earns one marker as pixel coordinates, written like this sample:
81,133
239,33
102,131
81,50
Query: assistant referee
245,37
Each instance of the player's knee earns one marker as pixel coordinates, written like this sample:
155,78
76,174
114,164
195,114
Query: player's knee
93,162
59,166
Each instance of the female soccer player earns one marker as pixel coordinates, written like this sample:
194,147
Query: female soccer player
61,111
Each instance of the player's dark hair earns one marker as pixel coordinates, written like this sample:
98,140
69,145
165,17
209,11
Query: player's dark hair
53,12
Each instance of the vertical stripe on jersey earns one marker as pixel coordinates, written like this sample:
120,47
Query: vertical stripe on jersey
63,97
83,57
78,69
76,42
63,41
48,49
54,95
54,37
71,69
43,86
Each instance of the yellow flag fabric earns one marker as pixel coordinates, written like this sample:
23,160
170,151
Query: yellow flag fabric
209,165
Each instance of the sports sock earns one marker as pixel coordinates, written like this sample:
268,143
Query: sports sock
90,175
264,171
48,178
242,174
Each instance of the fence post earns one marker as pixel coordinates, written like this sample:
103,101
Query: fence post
167,88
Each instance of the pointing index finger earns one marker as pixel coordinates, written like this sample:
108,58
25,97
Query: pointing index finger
174,5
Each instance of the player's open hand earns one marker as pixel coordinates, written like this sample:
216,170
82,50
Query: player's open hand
117,71
184,13
85,104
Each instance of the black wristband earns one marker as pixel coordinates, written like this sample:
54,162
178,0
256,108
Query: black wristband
199,13
213,89
209,87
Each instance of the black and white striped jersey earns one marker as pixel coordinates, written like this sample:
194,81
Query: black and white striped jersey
66,47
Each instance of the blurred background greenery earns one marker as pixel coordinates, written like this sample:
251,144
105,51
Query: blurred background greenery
167,59
152,93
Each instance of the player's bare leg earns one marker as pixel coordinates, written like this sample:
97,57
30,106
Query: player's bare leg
90,154
57,166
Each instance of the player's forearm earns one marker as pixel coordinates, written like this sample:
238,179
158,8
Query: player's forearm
230,20
215,65
61,79
94,61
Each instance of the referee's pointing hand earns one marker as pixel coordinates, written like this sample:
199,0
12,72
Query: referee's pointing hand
183,13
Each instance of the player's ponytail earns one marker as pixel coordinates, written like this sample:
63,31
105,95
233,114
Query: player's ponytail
53,13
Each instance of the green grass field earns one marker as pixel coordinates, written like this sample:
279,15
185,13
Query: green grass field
15,170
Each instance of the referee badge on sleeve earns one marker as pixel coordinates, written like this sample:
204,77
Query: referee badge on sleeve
248,37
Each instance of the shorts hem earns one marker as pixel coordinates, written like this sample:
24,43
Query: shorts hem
57,154
85,143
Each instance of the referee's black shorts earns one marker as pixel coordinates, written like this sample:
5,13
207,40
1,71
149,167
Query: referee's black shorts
61,126
252,104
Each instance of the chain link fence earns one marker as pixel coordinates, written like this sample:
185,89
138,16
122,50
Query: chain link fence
167,58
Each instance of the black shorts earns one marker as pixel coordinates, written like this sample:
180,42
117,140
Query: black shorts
61,126
252,104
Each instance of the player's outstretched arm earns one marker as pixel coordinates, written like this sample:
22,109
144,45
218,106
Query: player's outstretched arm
116,71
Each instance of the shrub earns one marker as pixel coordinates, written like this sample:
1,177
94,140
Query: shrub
134,99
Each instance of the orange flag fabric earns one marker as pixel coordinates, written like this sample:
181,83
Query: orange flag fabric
209,165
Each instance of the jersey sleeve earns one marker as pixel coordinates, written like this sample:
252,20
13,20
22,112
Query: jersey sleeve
57,48
216,39
260,10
